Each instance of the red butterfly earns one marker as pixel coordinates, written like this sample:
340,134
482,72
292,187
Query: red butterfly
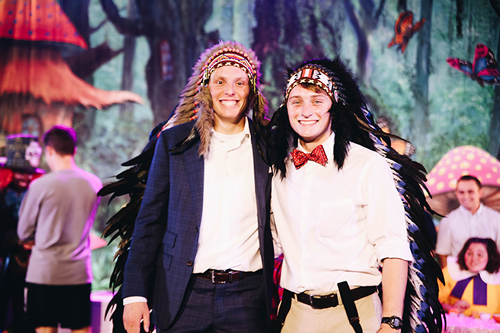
484,69
404,30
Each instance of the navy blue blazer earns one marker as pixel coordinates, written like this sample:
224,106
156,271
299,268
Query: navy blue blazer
165,238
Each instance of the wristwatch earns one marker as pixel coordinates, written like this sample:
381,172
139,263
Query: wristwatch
394,322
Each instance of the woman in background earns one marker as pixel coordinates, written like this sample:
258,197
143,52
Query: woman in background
472,282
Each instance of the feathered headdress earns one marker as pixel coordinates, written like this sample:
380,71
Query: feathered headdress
352,122
346,112
196,102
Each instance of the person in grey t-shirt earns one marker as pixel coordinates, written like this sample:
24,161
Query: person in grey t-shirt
55,219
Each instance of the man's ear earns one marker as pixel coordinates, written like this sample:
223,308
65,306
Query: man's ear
49,150
480,192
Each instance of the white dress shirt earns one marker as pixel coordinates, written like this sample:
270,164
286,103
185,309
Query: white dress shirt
336,226
460,225
229,237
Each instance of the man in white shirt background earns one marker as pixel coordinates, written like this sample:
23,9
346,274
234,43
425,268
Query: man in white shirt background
471,219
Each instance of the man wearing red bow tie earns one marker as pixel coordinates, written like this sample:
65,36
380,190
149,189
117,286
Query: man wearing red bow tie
337,212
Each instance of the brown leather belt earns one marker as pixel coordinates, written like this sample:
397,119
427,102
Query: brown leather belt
329,301
225,276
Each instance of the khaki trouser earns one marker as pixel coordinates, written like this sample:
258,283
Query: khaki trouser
303,318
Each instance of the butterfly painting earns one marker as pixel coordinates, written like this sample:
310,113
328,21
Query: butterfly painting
404,30
484,68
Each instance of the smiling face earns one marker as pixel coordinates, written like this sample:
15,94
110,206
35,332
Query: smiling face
229,87
308,111
469,195
476,257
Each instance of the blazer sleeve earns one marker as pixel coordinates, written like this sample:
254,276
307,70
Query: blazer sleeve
150,225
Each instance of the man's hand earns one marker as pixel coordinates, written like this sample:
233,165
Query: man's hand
461,305
132,315
27,245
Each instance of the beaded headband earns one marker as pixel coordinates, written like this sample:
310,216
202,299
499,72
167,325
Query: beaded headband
317,75
229,57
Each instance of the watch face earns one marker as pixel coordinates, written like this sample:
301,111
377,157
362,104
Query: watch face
393,322
396,322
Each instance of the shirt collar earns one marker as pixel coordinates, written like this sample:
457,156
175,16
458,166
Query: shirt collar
327,146
233,139
478,212
458,274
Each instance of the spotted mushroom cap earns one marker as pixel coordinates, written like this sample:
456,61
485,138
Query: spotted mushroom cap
40,21
460,161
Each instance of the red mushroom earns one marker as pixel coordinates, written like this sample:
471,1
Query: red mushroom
37,21
34,78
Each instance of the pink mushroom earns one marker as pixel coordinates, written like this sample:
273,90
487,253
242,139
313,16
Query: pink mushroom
463,160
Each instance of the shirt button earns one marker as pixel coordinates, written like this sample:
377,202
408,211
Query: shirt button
190,263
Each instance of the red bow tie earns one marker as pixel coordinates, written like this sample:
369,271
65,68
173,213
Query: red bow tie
317,155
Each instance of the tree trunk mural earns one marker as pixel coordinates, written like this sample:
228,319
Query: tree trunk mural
178,26
494,148
181,26
292,31
363,26
363,45
420,116
126,109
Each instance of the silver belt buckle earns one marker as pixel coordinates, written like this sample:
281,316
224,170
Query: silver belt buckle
311,303
213,278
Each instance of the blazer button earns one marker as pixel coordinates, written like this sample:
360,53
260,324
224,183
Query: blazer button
197,229
190,263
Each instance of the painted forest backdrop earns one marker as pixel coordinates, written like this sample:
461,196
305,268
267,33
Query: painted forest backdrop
149,46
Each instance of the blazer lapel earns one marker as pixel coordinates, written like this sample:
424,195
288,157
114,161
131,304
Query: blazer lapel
195,166
261,171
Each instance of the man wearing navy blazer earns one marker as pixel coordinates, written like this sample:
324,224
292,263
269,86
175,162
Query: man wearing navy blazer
201,252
